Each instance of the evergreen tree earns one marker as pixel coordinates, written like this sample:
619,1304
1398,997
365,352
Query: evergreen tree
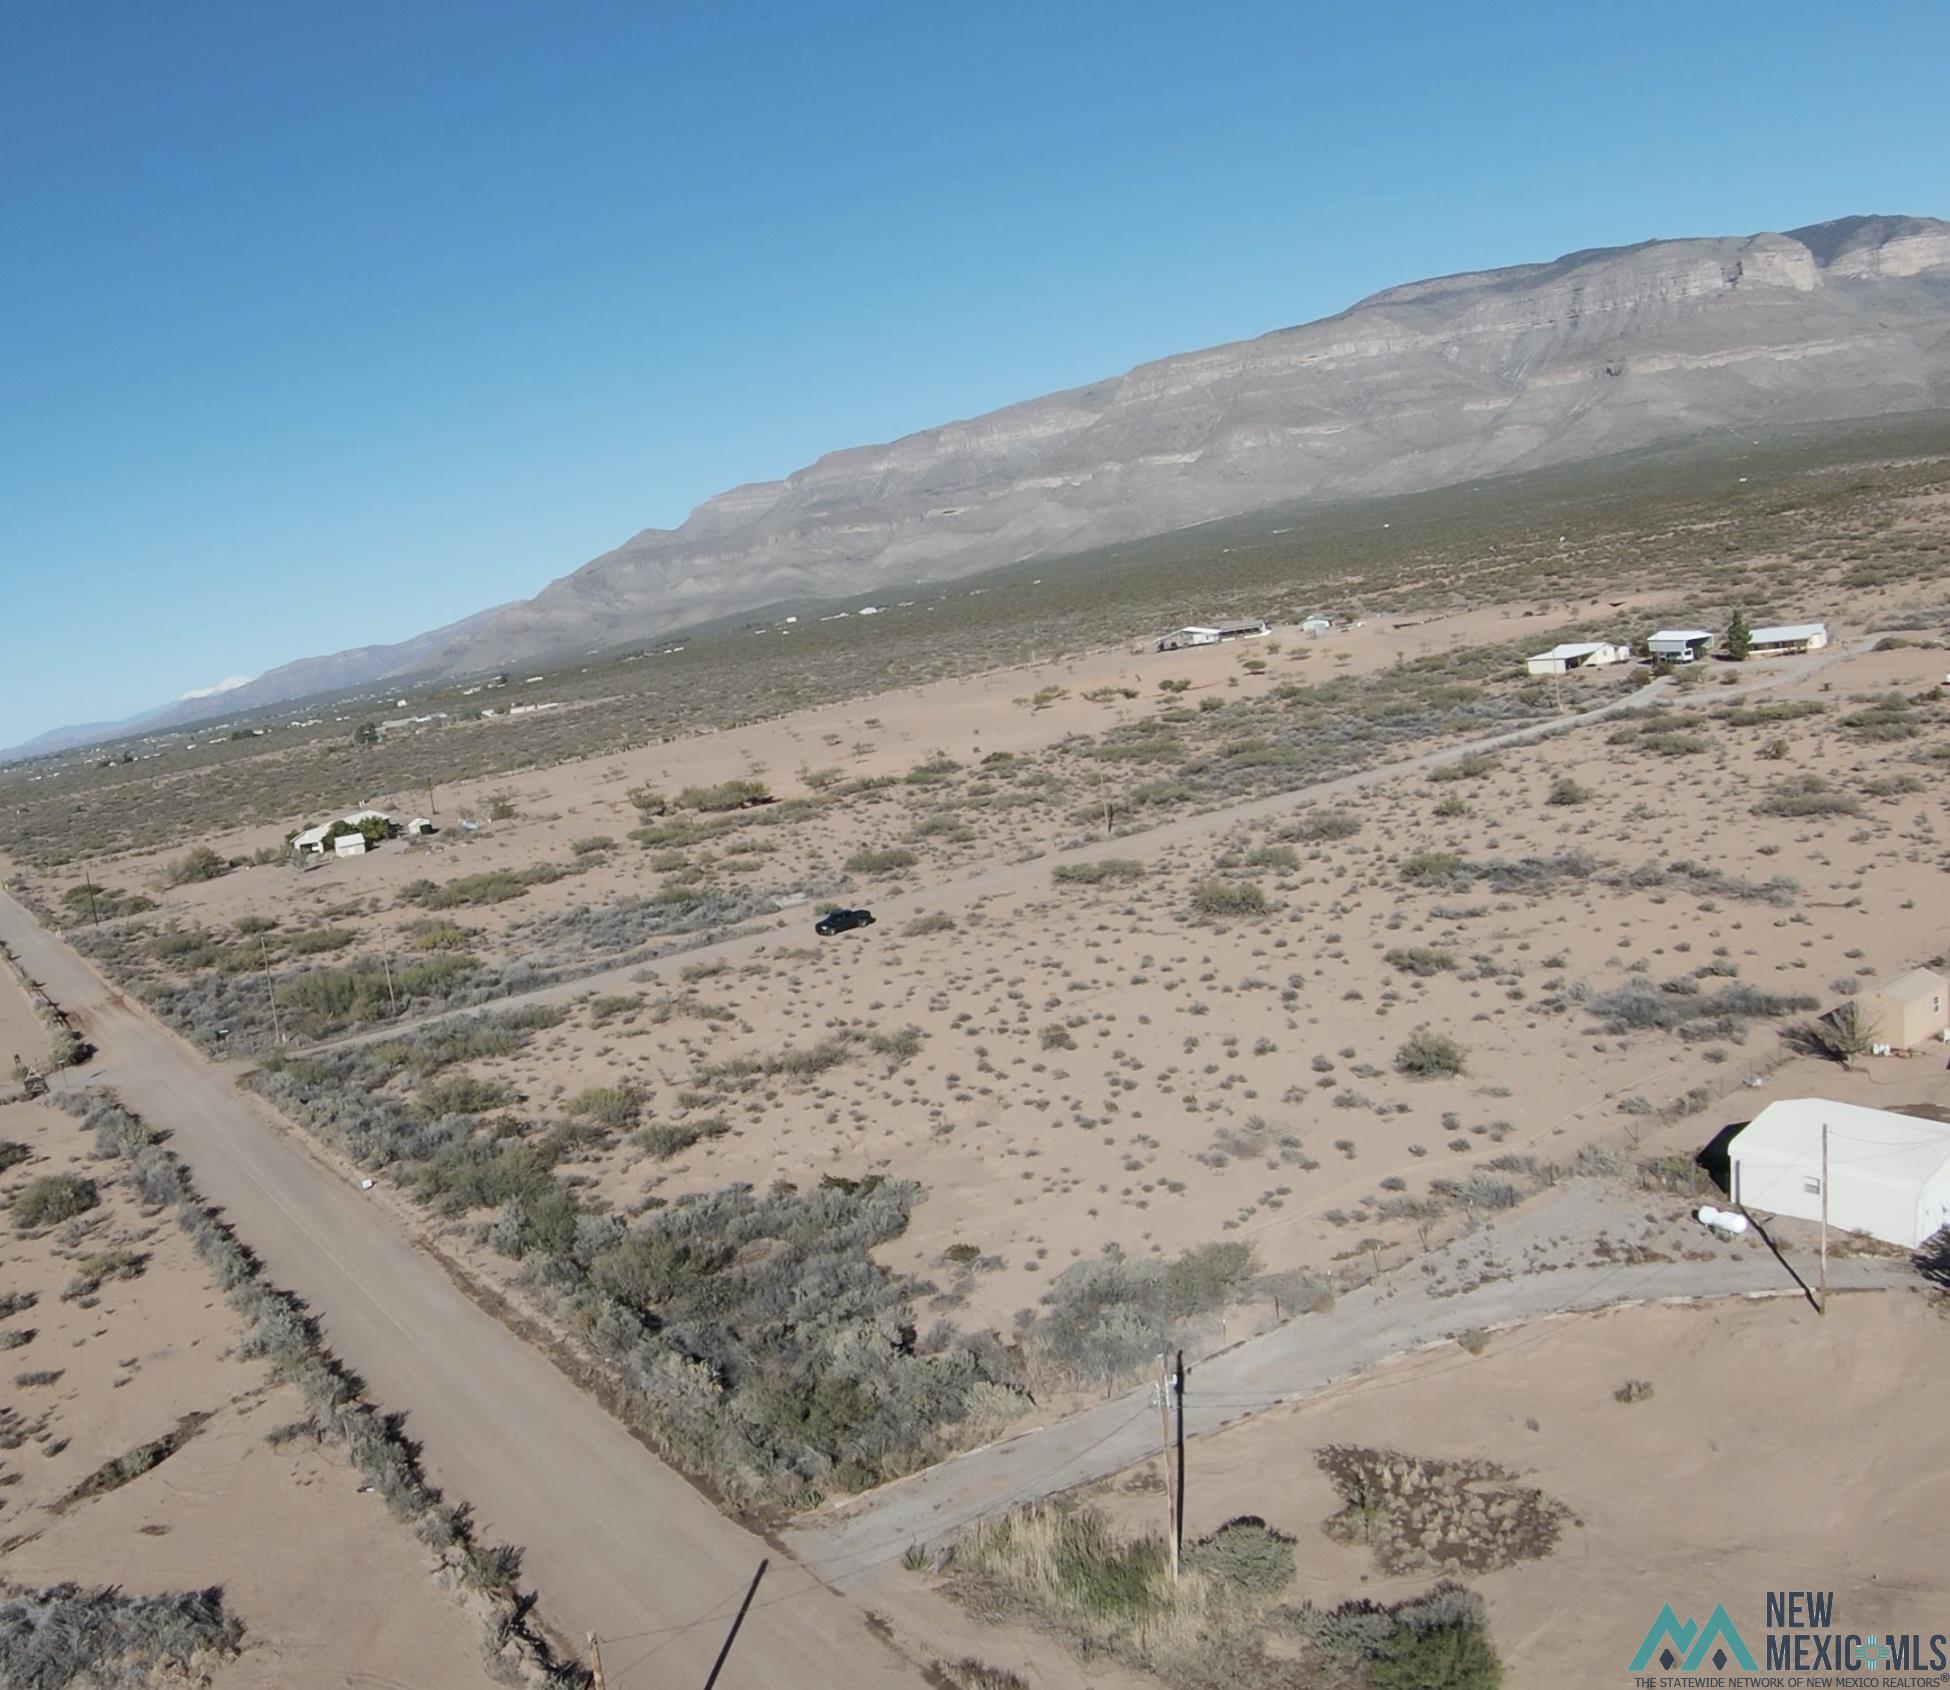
1740,638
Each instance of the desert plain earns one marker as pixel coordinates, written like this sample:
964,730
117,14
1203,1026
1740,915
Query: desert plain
1208,992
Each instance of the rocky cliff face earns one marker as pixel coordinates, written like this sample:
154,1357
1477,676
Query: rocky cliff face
1417,386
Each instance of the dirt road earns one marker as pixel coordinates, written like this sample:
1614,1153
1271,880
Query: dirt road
1147,846
1375,1323
616,1542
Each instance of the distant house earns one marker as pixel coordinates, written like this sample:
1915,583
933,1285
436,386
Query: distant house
1316,624
1788,638
328,836
349,845
1888,1174
1679,645
418,827
1581,654
1179,638
1211,633
1907,1012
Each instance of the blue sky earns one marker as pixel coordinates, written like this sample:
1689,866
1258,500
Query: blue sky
327,324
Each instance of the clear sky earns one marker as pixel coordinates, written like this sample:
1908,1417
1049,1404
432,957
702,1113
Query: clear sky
325,324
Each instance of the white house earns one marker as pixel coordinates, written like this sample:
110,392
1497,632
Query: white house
1580,654
312,840
1316,624
418,827
1251,627
349,845
1789,637
1888,1174
1179,638
358,818
1679,645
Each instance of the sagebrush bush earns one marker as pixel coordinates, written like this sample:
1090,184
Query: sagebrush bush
1426,1054
1247,1553
1218,897
1097,873
56,1198
1319,827
65,1634
882,860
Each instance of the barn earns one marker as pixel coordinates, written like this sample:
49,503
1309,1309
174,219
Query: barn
1888,1174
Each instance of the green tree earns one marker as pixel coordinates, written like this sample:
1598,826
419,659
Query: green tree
366,733
1740,638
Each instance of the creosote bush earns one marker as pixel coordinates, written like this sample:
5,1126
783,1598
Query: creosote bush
1104,869
1426,1054
1228,897
50,1201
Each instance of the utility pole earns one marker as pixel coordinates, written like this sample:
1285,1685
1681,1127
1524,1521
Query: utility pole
392,997
1824,1217
1178,1431
1164,1449
731,1636
94,920
433,809
270,987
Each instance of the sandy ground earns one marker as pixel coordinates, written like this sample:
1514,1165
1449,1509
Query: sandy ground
1099,1067
1738,1474
1102,1067
330,1589
1183,1034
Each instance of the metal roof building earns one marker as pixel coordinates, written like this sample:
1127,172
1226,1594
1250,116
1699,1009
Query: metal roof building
1888,1174
1789,636
1679,645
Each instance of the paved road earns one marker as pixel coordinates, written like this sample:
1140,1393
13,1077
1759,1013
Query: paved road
1389,1318
615,1541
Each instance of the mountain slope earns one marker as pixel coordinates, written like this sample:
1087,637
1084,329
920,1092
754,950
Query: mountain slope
1418,386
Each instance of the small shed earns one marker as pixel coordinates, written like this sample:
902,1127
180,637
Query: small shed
349,845
418,827
312,841
1316,624
1788,638
1679,645
1580,654
1908,1011
1888,1174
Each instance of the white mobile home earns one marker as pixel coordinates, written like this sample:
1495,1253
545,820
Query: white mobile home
1316,625
1211,633
1888,1174
1179,638
1581,654
312,841
1679,645
1788,638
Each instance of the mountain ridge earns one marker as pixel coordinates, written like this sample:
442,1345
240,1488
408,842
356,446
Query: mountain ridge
1419,385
